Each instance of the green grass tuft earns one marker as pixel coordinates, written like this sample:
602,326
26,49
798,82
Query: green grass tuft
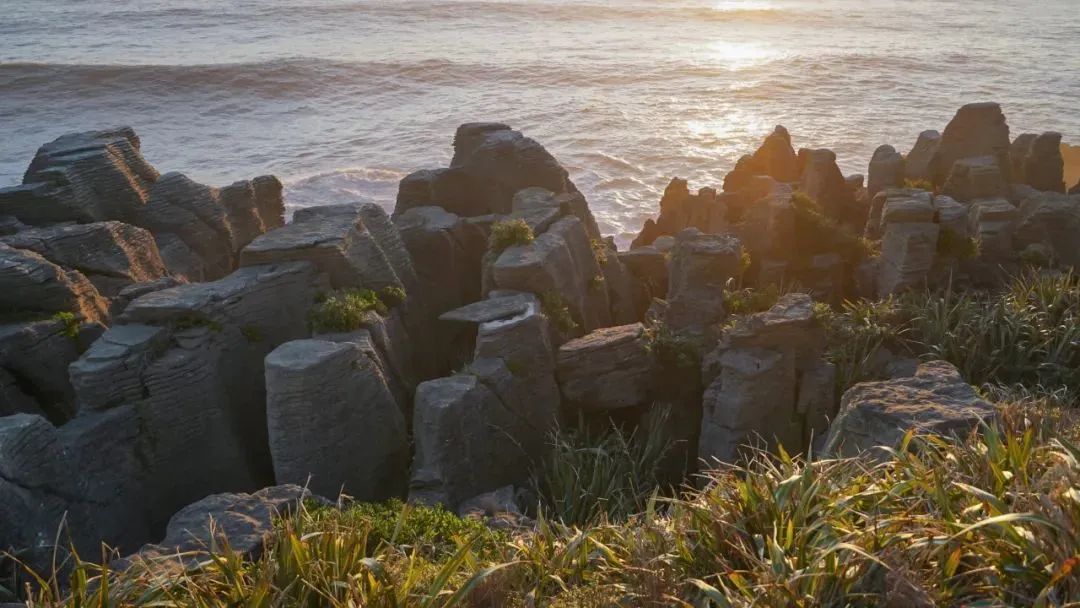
508,233
555,308
346,310
70,324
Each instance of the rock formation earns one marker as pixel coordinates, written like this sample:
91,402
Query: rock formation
977,130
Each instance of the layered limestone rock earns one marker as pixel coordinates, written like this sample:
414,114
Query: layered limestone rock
1037,161
977,130
82,177
608,369
909,244
1051,221
334,424
491,164
701,265
245,521
993,222
482,429
976,178
823,182
918,162
886,170
767,380
679,209
775,158
112,255
936,400
34,357
30,285
560,263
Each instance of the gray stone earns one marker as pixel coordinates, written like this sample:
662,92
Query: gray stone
886,170
952,216
701,266
253,208
1044,167
911,206
334,425
978,129
244,521
679,209
610,368
135,290
338,240
1018,153
917,164
538,202
84,177
974,178
993,222
1050,220
823,182
491,309
112,255
34,357
908,251
31,284
936,400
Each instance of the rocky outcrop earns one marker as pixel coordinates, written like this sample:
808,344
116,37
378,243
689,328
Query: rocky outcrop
767,380
701,265
244,521
334,425
886,170
30,285
977,130
1037,161
775,158
34,357
82,177
112,255
918,162
975,178
909,244
608,369
1051,221
558,263
823,182
936,400
993,222
679,209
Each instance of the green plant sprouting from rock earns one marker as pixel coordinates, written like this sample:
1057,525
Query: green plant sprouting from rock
507,233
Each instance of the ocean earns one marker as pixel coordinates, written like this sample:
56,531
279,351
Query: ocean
341,98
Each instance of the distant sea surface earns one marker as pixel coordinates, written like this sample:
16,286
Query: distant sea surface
341,98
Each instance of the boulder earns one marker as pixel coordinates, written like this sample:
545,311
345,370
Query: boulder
1018,153
82,177
936,400
974,178
623,288
334,425
767,379
886,170
993,222
244,521
32,285
679,210
701,266
610,368
112,255
952,216
135,290
918,163
447,253
253,207
34,359
977,130
774,158
537,203
491,309
908,251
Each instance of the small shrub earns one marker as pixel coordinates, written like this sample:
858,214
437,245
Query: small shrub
70,324
600,251
749,300
672,352
392,296
508,233
346,311
816,233
919,184
597,283
554,306
951,245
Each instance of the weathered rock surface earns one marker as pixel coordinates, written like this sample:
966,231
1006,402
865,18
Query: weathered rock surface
774,158
974,178
1051,220
245,521
935,400
909,245
610,368
767,379
978,129
679,209
701,266
32,285
917,164
34,357
1042,165
334,425
993,222
823,182
886,170
82,177
112,255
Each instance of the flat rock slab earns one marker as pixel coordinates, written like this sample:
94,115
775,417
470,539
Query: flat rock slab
610,368
492,309
936,400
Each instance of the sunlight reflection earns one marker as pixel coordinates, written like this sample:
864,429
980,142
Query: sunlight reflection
738,55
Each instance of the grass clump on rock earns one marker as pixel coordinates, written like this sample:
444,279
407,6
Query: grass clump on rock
555,308
508,233
346,310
